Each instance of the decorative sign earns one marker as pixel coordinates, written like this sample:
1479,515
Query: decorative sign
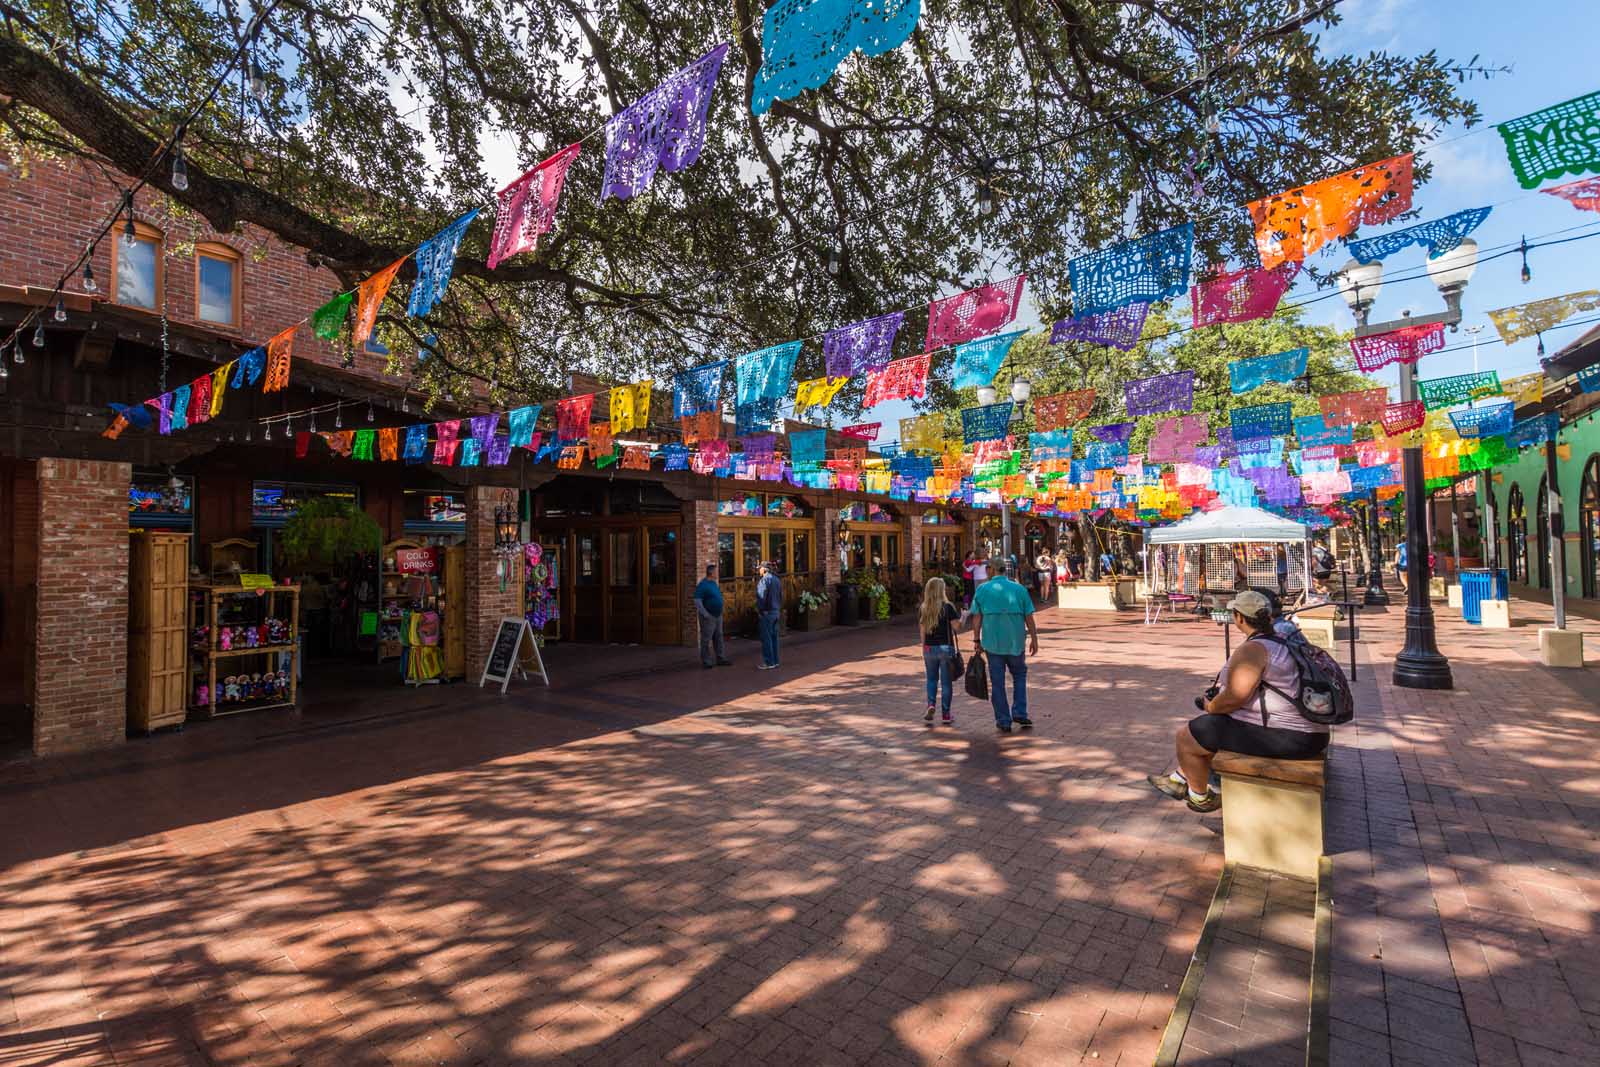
901,379
527,207
665,128
1353,408
817,392
1247,374
978,361
1120,327
410,561
804,41
1259,420
1583,194
1293,224
765,374
1438,237
1117,433
255,581
503,654
1146,269
1310,431
987,423
698,390
436,262
860,347
1405,345
1525,320
1062,409
924,433
972,314
1534,431
1161,393
1564,139
864,431
1458,389
1241,295
1485,421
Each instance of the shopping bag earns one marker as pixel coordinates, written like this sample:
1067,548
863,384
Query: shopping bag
977,677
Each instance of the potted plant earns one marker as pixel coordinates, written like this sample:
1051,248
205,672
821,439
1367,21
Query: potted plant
848,605
878,593
811,608
328,530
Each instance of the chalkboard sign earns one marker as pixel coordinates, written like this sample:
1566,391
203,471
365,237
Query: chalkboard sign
502,661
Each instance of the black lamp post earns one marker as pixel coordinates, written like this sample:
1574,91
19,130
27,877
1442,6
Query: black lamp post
1376,596
1420,665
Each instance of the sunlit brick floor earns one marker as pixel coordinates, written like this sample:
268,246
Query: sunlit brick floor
766,868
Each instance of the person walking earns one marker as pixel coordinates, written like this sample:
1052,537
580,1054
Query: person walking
1002,612
938,618
769,609
708,610
1047,573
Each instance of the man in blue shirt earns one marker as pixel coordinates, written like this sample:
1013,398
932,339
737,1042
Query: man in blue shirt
708,609
769,609
1002,613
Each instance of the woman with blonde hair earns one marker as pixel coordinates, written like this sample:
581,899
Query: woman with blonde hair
937,618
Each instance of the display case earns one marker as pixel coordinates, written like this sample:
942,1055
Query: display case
244,640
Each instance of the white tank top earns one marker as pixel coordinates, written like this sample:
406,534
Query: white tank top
1281,714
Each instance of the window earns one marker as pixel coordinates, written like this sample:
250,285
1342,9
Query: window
725,555
136,266
663,557
802,552
216,284
624,558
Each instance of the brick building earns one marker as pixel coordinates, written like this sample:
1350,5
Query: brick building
178,301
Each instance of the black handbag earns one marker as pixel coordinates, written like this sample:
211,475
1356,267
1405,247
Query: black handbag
977,677
957,668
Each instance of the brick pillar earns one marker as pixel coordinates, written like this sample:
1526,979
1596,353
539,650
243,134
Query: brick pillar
80,691
699,541
486,604
828,547
914,534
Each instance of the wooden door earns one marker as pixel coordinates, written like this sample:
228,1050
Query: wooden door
662,621
624,587
158,615
455,611
588,594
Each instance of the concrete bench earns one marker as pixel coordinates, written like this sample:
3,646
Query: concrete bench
1272,812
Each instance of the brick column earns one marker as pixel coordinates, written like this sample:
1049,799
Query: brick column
486,604
699,541
914,534
80,691
828,547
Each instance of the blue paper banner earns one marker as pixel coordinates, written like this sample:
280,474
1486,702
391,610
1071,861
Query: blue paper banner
808,446
758,416
1260,420
1082,473
470,453
1589,378
677,456
521,423
180,407
1311,431
247,368
416,447
766,373
986,423
1142,271
1247,374
1438,236
1101,455
978,361
1051,445
1364,479
1484,421
698,390
436,261
913,468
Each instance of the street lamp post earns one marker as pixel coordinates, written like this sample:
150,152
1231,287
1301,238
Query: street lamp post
1420,665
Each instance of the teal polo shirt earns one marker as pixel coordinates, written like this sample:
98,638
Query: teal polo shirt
1003,604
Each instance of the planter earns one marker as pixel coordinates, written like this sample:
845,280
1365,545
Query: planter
806,621
866,610
848,613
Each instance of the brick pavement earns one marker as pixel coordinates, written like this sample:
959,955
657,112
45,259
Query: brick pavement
732,867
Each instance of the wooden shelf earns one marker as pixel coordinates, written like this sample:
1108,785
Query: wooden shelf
238,707
224,653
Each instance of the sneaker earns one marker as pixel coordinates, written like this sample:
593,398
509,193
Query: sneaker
929,716
1003,727
1165,784
946,719
724,662
766,666
1023,722
705,666
1210,802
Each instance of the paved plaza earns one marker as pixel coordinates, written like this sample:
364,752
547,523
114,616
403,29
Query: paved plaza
653,864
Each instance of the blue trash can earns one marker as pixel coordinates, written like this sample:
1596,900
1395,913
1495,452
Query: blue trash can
1478,585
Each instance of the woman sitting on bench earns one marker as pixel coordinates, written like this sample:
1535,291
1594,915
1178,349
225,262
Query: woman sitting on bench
1244,711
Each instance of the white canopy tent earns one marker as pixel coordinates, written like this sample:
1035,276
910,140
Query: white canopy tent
1197,555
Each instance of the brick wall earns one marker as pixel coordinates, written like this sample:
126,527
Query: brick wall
827,544
486,604
81,646
914,535
699,548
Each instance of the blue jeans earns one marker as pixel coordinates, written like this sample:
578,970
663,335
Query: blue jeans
937,664
768,621
999,663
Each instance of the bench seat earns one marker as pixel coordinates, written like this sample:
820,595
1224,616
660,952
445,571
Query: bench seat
1272,812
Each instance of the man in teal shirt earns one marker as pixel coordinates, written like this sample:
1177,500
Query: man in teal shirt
708,610
1002,614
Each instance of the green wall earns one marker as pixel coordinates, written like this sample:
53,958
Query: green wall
1583,435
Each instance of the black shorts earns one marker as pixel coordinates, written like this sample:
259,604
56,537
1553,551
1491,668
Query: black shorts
1215,732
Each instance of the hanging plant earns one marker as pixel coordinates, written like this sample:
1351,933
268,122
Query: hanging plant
328,530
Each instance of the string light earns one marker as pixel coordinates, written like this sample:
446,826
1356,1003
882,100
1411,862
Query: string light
370,416
60,313
338,416
180,166
258,80
130,234
38,337
1527,275
266,432
986,188
89,285
835,262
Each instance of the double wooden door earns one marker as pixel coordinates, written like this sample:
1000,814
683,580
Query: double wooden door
620,582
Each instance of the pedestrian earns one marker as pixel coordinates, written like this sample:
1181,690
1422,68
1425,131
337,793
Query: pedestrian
938,618
1002,613
769,609
1246,711
977,571
708,610
1400,560
1047,573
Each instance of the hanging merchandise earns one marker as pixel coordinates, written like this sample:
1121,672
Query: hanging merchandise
328,320
1120,327
862,431
1438,237
923,433
698,389
862,346
1405,345
1259,421
1118,433
986,423
765,374
1160,393
1247,374
1555,141
436,261
526,208
1484,421
1526,320
977,362
520,423
974,313
630,407
817,392
1583,194
572,417
665,128
445,442
1063,409
804,41
1141,271
1458,388
902,379
1295,223
1241,295
370,294
1353,408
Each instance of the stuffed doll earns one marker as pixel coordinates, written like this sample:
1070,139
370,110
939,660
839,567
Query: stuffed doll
230,688
202,695
225,638
252,639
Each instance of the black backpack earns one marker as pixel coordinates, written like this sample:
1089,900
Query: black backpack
1324,695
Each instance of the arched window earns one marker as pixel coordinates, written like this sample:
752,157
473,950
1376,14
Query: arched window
217,297
139,277
1541,549
1589,526
1517,534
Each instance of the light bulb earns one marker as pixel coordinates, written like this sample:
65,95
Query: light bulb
60,313
180,170
985,199
247,433
258,81
405,404
266,432
16,352
38,340
1527,275
130,235
5,371
338,418
835,262
370,416
89,285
